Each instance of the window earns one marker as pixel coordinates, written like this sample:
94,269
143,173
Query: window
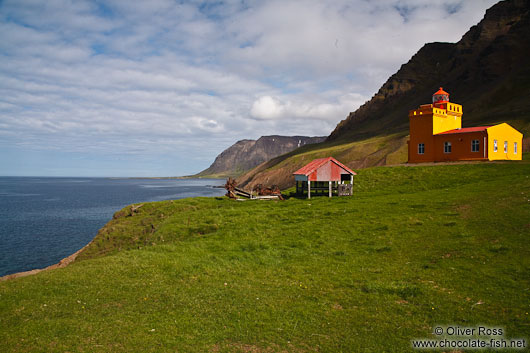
515,148
475,146
505,146
494,145
447,147
421,148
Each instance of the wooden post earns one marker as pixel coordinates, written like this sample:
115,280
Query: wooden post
308,189
330,188
352,185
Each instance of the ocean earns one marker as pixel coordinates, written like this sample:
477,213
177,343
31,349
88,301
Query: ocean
43,220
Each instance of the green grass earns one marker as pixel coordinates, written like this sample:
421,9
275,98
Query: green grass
415,247
375,146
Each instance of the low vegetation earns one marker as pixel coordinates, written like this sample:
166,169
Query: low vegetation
414,248
360,151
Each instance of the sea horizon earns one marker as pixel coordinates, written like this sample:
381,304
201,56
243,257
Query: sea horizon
107,177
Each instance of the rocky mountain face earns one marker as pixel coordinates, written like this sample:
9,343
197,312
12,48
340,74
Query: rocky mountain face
487,71
247,154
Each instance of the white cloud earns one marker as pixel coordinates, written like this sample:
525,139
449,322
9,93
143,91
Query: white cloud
267,107
154,77
304,108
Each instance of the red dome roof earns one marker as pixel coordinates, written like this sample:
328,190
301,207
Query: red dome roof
440,97
440,91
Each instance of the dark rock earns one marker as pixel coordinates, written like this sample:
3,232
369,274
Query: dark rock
247,154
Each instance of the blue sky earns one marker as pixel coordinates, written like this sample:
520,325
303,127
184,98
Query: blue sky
160,87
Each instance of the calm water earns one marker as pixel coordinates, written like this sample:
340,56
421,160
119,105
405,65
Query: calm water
43,220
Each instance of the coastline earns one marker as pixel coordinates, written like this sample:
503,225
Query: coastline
184,177
199,188
61,264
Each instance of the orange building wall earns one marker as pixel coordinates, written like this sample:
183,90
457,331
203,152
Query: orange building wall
427,121
420,132
461,146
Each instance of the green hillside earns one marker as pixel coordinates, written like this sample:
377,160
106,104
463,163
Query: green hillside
414,248
357,153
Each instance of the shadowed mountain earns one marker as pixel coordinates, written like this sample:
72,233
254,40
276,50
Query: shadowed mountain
487,71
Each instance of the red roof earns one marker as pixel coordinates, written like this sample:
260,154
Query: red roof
440,91
464,130
317,163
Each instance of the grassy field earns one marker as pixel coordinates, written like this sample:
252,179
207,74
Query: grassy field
414,248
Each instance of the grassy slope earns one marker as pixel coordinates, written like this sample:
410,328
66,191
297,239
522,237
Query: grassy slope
415,247
359,153
360,150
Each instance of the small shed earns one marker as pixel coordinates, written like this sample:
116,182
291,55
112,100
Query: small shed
324,175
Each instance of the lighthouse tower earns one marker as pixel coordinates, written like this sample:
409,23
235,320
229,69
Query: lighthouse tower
429,120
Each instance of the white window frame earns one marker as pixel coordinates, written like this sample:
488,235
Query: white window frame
421,148
495,149
447,147
505,146
515,148
475,145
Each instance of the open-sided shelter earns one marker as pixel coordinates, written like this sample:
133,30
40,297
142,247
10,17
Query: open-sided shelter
324,174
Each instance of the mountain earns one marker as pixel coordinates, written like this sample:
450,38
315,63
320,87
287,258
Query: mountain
247,154
487,71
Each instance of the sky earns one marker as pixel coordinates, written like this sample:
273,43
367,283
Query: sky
161,87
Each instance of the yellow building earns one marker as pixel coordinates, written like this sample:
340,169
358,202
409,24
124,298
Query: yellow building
436,135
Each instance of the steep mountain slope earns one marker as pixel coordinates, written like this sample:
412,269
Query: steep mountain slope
247,154
487,71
